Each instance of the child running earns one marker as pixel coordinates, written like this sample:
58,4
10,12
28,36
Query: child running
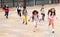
35,18
24,16
42,12
20,9
6,9
51,17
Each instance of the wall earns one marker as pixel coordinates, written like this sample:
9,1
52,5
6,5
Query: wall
14,3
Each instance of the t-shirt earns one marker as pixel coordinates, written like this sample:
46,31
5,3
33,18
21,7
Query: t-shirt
42,11
35,17
25,12
20,8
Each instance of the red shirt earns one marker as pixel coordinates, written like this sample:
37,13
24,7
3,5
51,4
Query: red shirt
6,9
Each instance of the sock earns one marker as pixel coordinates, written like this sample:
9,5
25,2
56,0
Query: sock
48,28
52,29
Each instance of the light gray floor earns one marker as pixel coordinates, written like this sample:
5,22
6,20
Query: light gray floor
13,26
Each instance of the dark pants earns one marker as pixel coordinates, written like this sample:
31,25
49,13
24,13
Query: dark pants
19,12
43,16
6,14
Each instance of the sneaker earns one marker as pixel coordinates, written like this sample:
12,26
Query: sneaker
34,31
23,22
26,23
53,32
7,17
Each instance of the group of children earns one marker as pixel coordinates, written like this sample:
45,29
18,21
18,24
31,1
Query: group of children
22,12
36,19
35,15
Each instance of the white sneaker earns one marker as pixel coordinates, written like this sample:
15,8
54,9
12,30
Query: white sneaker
53,31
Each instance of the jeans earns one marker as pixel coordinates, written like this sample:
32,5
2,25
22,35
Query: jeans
6,14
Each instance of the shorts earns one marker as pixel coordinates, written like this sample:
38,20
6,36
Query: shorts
24,18
6,13
51,19
18,11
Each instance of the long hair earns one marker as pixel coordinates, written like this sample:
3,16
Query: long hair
52,13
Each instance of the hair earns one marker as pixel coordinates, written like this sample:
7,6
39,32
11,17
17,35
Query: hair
42,5
52,13
34,12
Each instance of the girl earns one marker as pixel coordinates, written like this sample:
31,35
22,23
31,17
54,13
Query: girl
25,16
42,12
35,18
20,9
51,17
6,9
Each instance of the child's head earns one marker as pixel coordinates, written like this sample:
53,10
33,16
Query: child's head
20,5
6,5
53,9
42,6
35,12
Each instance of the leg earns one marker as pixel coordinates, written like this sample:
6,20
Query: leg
52,27
26,19
20,14
50,21
18,11
49,25
43,16
35,26
26,22
23,21
7,15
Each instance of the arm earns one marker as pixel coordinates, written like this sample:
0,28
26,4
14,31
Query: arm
39,18
3,8
29,18
48,12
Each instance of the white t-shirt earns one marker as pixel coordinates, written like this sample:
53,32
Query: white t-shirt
42,11
35,17
20,8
